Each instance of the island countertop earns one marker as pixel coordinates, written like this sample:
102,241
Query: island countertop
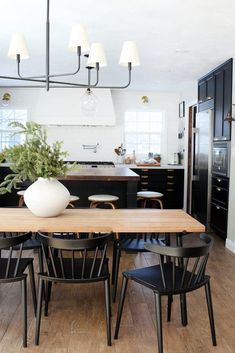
103,174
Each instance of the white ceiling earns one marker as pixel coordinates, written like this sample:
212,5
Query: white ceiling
178,40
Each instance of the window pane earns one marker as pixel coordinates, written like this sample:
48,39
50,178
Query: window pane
143,132
7,136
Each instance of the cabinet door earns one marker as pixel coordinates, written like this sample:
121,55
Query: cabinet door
227,106
218,117
210,83
201,91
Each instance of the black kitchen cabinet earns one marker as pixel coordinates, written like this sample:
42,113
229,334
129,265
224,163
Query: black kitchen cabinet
219,205
215,92
206,89
223,101
170,182
227,101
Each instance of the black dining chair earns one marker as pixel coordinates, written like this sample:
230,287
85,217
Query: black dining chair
131,243
12,270
73,261
180,270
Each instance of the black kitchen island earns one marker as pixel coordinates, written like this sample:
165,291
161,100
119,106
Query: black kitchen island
121,182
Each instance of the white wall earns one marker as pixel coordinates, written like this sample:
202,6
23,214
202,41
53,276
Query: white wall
108,137
230,241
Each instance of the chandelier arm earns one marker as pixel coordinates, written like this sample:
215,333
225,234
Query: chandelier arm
89,85
21,79
120,87
54,75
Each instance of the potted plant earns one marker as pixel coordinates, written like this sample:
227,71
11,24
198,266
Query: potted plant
41,163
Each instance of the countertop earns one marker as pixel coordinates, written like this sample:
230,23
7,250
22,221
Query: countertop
105,174
150,166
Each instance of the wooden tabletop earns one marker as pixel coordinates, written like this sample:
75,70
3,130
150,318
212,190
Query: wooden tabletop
100,220
105,174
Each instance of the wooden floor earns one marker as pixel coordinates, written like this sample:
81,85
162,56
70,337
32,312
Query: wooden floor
76,320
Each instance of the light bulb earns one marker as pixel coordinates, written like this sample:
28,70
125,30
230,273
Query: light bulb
89,103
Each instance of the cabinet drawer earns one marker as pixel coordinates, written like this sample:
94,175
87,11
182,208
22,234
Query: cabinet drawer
221,195
220,182
219,219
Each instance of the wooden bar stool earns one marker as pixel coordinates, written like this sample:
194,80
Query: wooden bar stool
103,199
72,202
152,196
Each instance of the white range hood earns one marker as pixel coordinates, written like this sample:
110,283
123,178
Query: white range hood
62,106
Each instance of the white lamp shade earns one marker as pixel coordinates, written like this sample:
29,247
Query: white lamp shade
18,46
78,37
97,55
129,54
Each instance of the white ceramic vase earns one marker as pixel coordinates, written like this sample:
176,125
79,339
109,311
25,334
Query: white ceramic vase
46,197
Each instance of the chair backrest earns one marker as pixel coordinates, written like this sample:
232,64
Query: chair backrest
90,253
187,264
10,265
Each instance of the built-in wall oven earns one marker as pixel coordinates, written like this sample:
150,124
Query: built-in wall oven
221,158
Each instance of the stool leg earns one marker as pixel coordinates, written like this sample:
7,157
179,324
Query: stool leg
21,201
110,204
161,205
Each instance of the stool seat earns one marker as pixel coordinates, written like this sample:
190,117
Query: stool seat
149,194
103,198
21,192
74,198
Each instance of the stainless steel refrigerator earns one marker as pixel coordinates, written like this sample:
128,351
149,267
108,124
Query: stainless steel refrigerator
201,159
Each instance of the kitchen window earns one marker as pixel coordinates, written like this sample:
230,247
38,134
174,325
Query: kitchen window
7,136
144,132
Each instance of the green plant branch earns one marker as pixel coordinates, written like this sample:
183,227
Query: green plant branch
34,158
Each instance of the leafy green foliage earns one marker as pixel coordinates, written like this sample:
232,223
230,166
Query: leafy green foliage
34,158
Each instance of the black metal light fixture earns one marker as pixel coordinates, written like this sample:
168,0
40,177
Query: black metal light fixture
78,43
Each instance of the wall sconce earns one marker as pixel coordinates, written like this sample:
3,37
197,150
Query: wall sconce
145,99
229,118
6,98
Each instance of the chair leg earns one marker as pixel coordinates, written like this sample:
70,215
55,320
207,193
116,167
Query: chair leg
116,271
24,307
47,287
169,304
115,243
107,310
39,311
158,308
183,307
120,305
33,287
210,312
40,260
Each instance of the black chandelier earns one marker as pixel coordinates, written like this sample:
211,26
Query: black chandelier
78,43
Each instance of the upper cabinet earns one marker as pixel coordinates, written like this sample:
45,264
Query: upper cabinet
206,89
215,92
62,106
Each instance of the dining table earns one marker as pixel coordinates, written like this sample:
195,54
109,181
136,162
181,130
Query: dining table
101,220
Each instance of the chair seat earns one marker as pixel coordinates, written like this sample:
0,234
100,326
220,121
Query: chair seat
151,277
137,245
77,269
149,194
24,262
103,198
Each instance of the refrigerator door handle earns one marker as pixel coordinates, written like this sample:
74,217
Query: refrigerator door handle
195,148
